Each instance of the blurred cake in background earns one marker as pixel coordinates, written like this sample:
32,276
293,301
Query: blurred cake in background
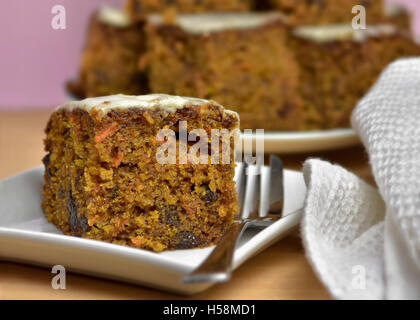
240,59
109,62
139,9
398,16
296,66
339,64
320,12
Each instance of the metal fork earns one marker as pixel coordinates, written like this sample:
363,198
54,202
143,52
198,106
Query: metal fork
218,265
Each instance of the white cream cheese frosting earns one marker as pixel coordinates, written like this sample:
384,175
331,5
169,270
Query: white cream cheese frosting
195,23
216,22
330,33
165,102
113,17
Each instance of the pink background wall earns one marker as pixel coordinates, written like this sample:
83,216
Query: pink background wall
36,60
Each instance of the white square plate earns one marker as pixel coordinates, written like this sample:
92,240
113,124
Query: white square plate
26,236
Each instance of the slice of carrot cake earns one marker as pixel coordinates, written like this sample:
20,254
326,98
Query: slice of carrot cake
134,170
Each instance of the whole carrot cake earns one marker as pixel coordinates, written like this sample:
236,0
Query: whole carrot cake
139,9
109,62
238,59
108,178
339,65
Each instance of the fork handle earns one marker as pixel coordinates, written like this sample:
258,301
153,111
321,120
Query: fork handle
218,265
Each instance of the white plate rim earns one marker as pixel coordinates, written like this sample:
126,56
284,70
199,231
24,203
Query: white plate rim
290,142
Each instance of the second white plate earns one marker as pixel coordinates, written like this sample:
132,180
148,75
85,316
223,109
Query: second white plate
308,141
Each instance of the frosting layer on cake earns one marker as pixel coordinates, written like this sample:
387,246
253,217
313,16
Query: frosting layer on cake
216,22
113,17
168,103
342,32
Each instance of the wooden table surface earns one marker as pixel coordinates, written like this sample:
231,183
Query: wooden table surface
280,272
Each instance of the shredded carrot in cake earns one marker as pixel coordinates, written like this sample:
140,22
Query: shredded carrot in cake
72,119
148,117
137,241
108,131
116,161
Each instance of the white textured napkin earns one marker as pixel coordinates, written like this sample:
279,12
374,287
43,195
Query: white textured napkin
362,242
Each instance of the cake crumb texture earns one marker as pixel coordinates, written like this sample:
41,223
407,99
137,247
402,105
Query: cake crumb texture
103,180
